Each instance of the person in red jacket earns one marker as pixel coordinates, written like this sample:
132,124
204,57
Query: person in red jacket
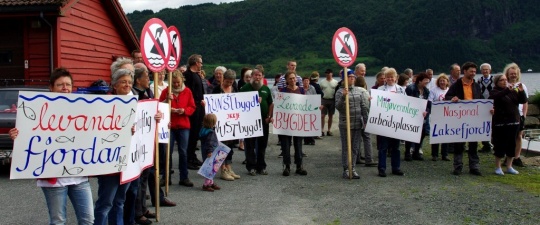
182,107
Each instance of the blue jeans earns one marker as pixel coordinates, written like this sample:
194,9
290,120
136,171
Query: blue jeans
80,196
181,136
110,202
131,201
385,144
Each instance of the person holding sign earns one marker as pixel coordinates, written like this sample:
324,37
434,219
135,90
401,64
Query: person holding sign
182,107
437,94
226,86
310,90
385,144
286,140
209,142
57,190
358,114
466,89
112,194
419,90
256,146
505,121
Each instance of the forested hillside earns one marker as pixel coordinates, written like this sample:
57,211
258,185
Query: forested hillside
418,34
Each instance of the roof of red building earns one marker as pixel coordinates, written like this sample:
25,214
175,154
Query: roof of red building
113,6
32,2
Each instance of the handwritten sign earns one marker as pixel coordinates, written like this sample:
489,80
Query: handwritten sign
212,164
141,152
396,116
297,115
238,114
463,121
163,126
63,135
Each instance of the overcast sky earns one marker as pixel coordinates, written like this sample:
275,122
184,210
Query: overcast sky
156,5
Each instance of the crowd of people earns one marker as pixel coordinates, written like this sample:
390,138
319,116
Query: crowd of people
126,203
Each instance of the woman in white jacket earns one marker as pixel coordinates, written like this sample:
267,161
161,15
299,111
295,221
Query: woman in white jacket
436,94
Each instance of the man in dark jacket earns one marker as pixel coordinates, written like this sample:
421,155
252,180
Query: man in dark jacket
465,89
194,82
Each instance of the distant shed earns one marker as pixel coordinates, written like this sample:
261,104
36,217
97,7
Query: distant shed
84,36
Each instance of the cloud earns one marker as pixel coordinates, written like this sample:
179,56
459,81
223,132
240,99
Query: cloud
157,5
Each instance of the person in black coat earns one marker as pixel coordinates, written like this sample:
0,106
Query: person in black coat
419,90
505,121
465,89
194,81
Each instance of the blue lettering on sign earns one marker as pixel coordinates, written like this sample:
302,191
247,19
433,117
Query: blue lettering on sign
164,134
229,102
233,128
465,130
90,155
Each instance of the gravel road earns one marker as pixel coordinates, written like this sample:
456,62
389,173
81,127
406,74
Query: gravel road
427,194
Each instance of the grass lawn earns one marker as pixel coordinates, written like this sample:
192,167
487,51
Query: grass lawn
527,180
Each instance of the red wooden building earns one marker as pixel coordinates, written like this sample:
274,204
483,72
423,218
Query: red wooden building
84,36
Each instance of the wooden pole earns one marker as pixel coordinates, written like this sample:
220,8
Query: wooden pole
156,155
167,157
348,118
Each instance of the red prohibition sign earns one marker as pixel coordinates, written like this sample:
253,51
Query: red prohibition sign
344,47
176,48
155,45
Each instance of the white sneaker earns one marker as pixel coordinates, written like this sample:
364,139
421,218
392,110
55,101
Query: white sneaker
499,171
512,171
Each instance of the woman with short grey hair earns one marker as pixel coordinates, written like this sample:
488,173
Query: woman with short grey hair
218,76
227,86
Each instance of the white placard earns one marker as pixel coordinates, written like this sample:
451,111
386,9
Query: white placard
395,115
297,115
63,135
142,150
463,121
211,165
163,125
238,114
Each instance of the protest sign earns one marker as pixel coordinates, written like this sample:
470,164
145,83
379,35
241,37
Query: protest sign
238,114
395,115
163,125
463,121
63,135
297,115
212,164
141,152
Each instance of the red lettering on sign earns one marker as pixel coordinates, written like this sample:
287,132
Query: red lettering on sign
79,122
